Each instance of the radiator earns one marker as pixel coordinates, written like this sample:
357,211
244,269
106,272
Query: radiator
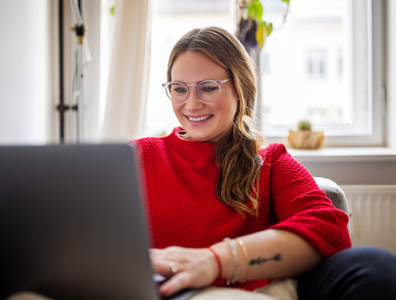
372,215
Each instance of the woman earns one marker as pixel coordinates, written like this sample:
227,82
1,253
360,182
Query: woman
223,210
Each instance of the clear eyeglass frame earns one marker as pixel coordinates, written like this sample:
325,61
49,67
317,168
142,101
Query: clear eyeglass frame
182,98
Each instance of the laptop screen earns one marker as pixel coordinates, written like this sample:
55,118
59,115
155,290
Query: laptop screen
72,223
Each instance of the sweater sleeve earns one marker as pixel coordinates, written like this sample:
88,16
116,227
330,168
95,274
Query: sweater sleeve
301,207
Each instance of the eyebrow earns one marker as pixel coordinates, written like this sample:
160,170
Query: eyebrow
197,81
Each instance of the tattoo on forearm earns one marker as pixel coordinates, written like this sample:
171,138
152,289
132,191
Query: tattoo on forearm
261,260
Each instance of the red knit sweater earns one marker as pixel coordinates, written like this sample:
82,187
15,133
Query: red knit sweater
183,210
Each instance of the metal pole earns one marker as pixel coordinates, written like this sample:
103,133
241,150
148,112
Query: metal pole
62,108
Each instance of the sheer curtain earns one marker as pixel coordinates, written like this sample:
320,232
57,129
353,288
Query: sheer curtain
126,99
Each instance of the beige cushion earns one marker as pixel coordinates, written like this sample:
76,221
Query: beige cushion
278,290
284,289
27,296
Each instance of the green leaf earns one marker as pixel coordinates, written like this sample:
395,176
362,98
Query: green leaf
112,10
260,37
255,10
286,1
270,27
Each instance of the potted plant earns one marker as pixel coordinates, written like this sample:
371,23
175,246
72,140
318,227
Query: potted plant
253,29
304,137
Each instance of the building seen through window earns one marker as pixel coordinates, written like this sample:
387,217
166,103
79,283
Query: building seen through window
316,63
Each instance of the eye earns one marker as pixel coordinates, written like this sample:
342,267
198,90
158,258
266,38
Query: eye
208,87
178,89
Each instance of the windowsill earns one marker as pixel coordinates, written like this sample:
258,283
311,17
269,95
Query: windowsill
349,154
352,165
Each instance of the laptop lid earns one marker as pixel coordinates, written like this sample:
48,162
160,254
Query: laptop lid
72,223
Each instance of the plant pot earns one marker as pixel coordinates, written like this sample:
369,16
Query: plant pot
305,139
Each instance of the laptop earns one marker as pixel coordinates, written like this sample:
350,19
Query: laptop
73,224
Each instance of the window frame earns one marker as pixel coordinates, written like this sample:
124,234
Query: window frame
374,90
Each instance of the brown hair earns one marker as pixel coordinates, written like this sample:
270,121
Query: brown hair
236,152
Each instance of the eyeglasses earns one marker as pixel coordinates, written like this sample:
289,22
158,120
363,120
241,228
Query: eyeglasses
207,90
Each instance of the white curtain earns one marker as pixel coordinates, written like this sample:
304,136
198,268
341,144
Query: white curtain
126,99
28,80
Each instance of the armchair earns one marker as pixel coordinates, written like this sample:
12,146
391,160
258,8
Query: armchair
334,193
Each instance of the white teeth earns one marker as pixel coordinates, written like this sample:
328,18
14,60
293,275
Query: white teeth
198,119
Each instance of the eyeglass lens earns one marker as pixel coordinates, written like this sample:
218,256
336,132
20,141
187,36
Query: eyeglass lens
208,90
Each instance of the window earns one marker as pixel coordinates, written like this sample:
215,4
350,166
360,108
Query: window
324,67
316,63
264,63
324,63
340,63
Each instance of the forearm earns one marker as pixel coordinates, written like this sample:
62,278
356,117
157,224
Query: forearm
268,254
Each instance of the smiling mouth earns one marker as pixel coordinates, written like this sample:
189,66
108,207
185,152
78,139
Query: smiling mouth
198,119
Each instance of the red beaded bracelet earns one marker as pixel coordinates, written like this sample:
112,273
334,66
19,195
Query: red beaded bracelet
218,261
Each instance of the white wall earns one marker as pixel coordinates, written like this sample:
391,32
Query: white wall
391,64
28,82
29,74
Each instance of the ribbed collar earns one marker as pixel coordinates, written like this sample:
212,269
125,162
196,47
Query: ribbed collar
199,153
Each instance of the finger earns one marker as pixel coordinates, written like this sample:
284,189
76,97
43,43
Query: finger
165,268
160,254
155,252
174,284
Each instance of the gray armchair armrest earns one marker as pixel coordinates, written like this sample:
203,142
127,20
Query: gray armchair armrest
333,192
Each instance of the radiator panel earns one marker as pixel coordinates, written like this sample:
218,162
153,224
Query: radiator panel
373,215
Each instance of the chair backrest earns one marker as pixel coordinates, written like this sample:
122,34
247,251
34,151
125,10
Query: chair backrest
333,192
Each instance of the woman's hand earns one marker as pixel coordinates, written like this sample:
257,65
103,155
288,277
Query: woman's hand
185,268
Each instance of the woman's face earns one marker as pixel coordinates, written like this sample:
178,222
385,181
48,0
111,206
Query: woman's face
204,121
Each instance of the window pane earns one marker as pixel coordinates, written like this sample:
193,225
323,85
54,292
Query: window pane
313,56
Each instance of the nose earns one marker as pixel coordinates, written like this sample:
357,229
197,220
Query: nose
193,101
